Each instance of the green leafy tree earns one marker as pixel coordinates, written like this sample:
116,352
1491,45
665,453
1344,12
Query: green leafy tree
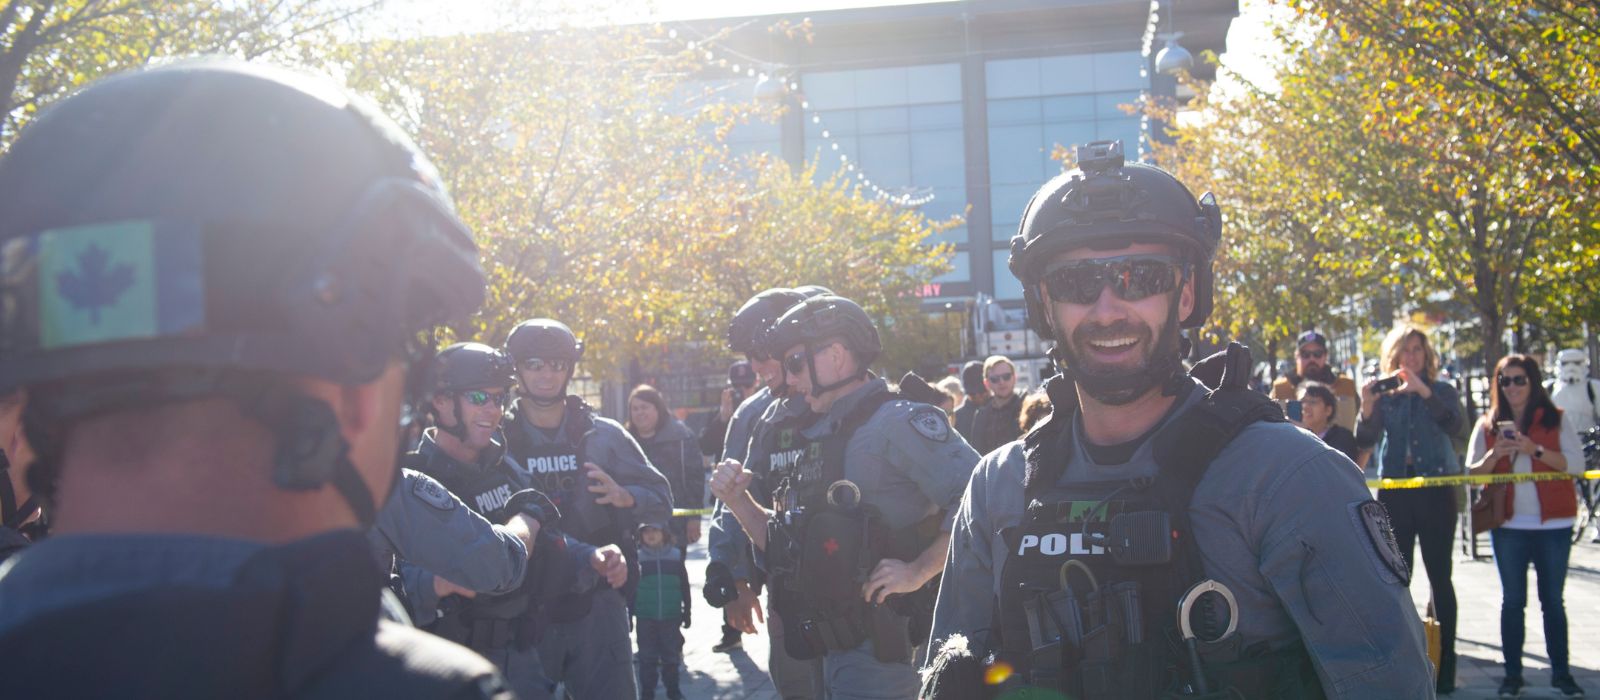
1390,179
598,180
49,47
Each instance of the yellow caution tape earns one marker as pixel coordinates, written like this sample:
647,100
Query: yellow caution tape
1420,482
683,512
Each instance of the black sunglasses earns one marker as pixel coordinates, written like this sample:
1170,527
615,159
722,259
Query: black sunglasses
1519,380
795,363
1131,278
1313,354
997,378
478,397
534,364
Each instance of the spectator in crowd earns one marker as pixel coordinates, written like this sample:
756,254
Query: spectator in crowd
671,448
1317,406
741,384
661,612
1411,418
1522,433
977,394
1312,362
951,386
1034,409
996,422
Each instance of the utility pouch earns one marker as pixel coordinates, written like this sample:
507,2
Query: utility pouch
891,635
833,556
1055,631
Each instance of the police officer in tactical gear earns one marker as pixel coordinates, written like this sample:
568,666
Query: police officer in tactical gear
603,485
216,276
862,504
728,546
455,550
463,456
1158,536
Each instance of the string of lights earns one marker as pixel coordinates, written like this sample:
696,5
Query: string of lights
782,87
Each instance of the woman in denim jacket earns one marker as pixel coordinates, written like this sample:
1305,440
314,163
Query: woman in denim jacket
1412,426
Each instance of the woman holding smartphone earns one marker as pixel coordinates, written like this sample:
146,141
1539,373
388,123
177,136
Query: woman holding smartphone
1523,433
1410,416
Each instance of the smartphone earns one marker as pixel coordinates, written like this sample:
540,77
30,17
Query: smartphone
1294,410
1385,385
1508,429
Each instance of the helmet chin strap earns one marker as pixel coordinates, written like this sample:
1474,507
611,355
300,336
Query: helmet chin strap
457,431
817,387
1121,388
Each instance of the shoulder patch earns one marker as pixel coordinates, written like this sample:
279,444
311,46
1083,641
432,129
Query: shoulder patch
432,493
931,423
1374,522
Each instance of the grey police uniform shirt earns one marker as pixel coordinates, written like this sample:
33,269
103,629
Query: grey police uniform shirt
727,542
429,527
615,451
1277,519
906,459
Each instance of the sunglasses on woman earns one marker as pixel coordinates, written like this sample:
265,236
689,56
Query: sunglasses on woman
478,397
1131,278
1508,380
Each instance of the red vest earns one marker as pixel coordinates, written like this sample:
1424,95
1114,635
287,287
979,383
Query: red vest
1558,498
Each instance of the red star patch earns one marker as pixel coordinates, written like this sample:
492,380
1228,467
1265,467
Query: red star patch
830,546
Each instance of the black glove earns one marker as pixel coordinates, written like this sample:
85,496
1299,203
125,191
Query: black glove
719,589
686,618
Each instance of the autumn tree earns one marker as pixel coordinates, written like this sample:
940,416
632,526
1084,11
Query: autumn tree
603,191
49,47
1382,178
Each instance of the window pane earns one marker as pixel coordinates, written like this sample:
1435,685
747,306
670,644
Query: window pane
1065,75
1108,105
881,120
832,90
1119,71
881,86
1014,154
1006,286
937,158
1013,78
1073,108
1013,111
939,83
961,268
1006,205
941,116
887,159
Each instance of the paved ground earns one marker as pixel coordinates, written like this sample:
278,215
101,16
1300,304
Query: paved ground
741,675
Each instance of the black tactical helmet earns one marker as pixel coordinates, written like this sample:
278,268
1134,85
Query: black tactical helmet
196,229
465,366
811,290
1105,202
544,338
221,214
827,316
753,319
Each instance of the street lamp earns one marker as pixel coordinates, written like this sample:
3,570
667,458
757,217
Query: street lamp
1173,58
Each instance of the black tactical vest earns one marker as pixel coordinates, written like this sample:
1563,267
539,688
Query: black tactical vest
1095,569
822,542
557,471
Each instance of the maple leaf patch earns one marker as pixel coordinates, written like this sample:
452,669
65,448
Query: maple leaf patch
96,283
